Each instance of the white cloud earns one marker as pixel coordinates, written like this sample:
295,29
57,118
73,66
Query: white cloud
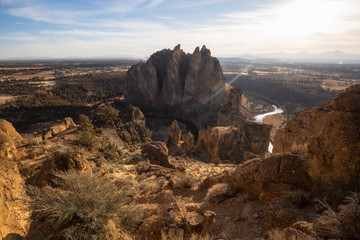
289,26
154,3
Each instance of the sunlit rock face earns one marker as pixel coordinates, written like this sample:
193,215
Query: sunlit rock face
14,218
328,134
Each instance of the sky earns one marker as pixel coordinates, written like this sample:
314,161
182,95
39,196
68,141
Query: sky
137,28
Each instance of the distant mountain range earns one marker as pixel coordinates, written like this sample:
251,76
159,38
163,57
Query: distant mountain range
330,56
304,56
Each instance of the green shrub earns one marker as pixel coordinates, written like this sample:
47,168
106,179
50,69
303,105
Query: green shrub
86,132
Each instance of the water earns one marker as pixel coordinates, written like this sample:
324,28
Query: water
260,118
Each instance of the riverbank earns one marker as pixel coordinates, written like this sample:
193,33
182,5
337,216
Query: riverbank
274,118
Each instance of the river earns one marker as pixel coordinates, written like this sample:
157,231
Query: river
260,118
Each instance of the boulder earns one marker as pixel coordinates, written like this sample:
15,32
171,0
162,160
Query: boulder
58,127
194,219
158,153
273,176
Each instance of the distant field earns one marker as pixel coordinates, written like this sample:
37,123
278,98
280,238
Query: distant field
293,85
4,98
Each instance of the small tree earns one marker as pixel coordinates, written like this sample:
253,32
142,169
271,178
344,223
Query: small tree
85,123
108,115
87,132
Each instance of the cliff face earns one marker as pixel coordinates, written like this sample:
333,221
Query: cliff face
330,135
13,217
174,78
235,143
9,138
191,85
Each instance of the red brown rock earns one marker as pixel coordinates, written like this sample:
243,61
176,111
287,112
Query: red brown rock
235,143
9,140
329,135
192,84
179,143
58,127
157,153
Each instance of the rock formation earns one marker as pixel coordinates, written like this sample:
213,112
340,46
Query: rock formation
193,83
174,77
40,173
9,139
326,140
179,143
157,153
272,176
14,220
132,128
329,134
58,127
13,217
235,143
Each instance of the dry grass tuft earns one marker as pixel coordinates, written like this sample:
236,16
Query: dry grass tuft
186,182
80,208
219,192
179,234
276,234
342,224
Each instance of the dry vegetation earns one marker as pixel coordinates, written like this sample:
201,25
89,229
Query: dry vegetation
80,207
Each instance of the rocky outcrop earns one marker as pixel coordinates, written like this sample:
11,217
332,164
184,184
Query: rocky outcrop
273,176
329,135
58,127
192,84
132,128
179,143
14,217
326,139
157,153
9,139
235,143
174,77
40,173
229,112
174,135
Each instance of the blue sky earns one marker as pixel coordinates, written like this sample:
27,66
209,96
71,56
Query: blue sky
137,28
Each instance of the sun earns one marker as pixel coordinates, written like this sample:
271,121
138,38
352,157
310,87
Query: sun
305,17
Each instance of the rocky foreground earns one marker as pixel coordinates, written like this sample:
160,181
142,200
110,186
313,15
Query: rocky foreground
73,181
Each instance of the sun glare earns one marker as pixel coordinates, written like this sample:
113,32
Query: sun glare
305,17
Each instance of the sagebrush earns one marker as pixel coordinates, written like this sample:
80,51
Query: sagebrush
80,207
